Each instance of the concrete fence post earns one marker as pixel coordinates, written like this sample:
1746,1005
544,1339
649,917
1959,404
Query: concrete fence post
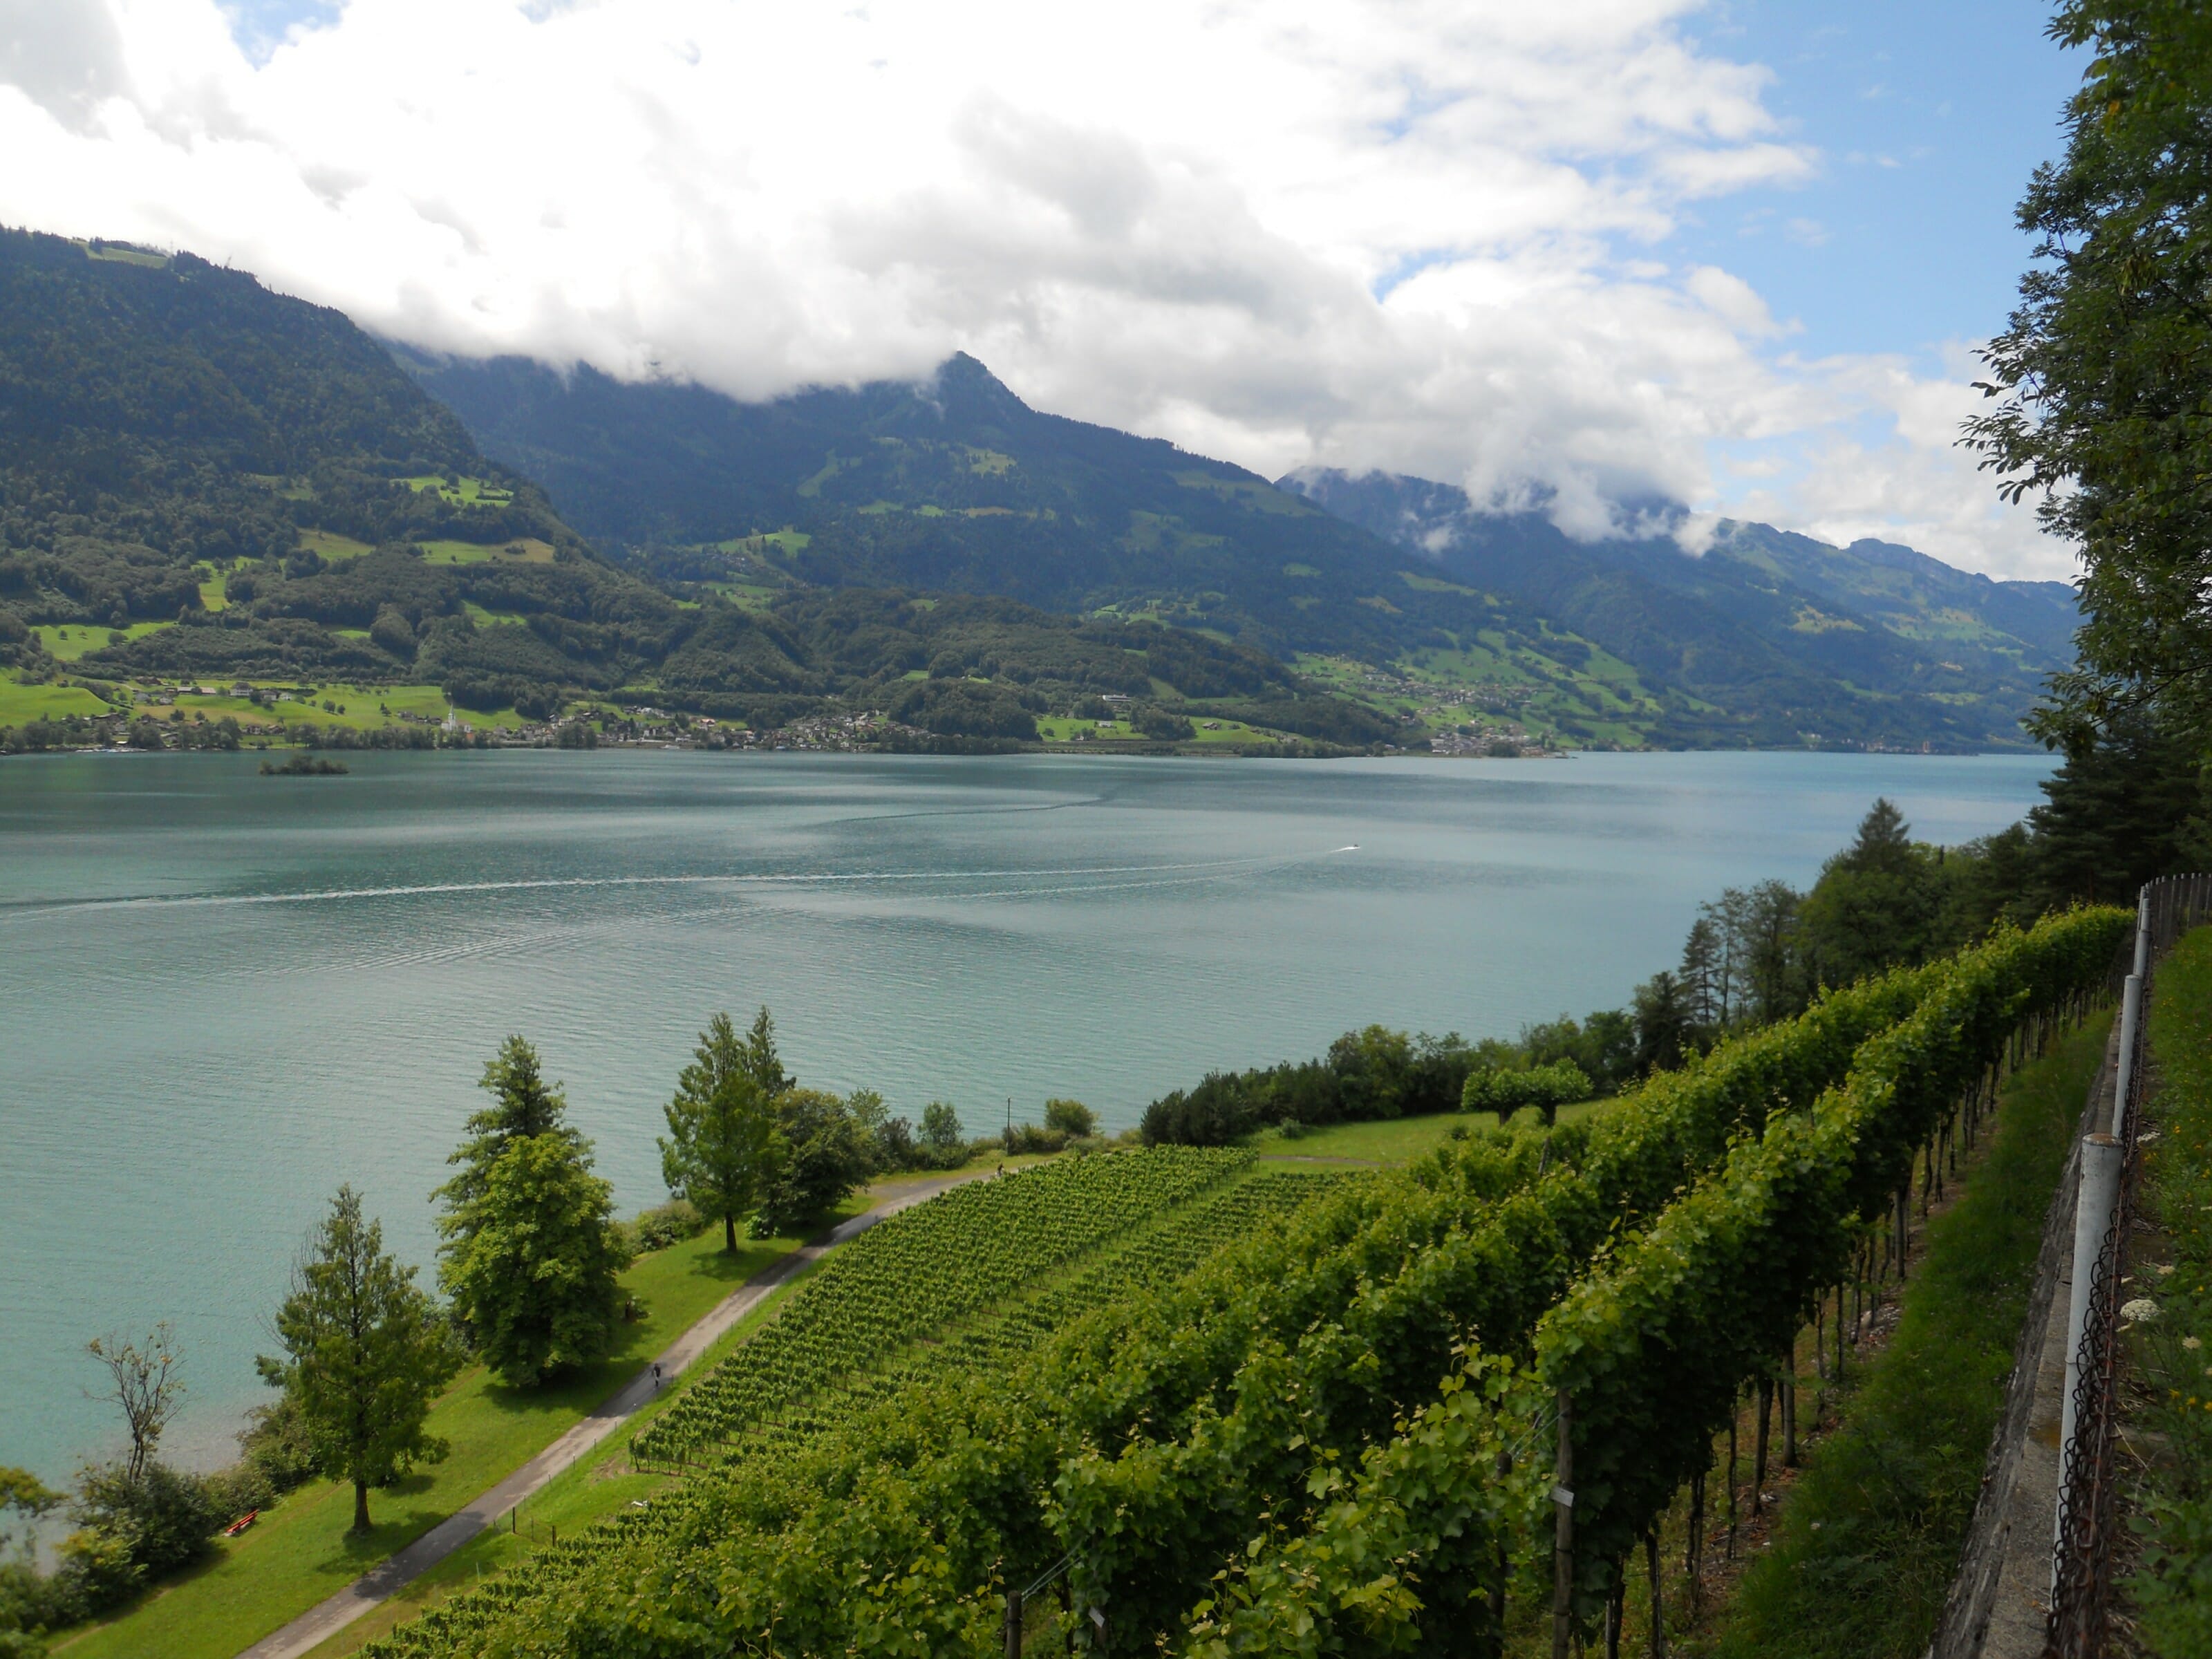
2092,1218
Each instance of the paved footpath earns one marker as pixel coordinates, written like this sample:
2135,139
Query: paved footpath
320,1623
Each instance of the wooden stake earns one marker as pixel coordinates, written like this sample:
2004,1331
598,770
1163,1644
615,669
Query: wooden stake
1563,1537
1658,1607
1789,1414
1733,1415
1759,1453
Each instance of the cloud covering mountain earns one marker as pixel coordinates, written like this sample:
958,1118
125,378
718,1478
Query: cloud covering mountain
1427,237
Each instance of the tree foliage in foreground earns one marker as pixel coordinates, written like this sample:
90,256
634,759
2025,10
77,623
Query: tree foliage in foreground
2106,369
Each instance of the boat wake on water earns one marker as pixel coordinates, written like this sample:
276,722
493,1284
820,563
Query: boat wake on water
1159,875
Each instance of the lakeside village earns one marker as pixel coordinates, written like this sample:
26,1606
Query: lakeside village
146,719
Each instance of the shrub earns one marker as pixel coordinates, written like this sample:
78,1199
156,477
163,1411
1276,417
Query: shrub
133,1530
1028,1137
276,1443
666,1224
1506,1091
1071,1117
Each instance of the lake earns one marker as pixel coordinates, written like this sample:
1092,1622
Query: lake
225,993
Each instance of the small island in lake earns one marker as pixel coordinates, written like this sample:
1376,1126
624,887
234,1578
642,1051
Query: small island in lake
305,766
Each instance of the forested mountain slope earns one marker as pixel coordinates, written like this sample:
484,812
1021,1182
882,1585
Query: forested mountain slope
1390,587
953,484
1795,632
230,484
214,481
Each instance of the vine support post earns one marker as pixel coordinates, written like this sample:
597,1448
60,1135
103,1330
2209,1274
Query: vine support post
1790,1408
1759,1447
1658,1600
1501,1571
1563,1536
1013,1642
1735,1411
1694,1546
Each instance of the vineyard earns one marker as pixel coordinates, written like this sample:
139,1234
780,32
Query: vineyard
1179,1207
937,1263
1338,1432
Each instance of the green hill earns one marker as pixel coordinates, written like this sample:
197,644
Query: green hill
1390,590
1769,636
202,480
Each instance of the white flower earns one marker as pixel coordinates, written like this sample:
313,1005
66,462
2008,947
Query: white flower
2140,1312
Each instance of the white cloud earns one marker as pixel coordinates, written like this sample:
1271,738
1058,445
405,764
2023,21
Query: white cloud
1426,236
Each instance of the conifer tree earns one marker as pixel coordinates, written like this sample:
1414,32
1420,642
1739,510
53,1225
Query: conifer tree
529,1250
366,1355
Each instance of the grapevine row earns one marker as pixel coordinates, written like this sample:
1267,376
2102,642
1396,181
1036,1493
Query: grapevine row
1159,1254
938,1261
1646,1353
1150,1437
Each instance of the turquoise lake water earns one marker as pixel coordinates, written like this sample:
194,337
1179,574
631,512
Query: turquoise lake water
224,994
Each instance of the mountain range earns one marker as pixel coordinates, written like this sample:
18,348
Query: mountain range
233,482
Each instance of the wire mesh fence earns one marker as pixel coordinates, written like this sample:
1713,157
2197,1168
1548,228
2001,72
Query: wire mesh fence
2081,1576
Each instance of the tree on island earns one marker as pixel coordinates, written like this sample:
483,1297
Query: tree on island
723,1147
367,1354
531,1251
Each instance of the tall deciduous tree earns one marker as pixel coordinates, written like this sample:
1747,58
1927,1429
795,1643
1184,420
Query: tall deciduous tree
722,1148
827,1155
2105,370
366,1354
530,1261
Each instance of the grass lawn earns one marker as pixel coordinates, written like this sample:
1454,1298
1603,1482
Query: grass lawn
360,707
450,552
1392,1140
329,544
68,642
1866,1545
19,702
300,1551
470,492
2168,1597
